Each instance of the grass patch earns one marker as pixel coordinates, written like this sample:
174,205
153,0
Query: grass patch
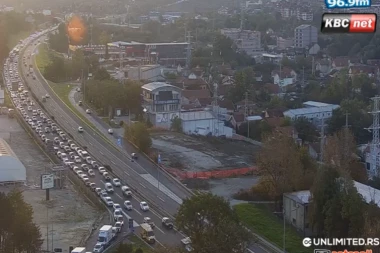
138,243
270,227
7,100
42,58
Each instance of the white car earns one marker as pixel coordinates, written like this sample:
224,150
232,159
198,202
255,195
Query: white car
98,248
108,201
128,205
80,129
117,206
91,173
116,182
110,131
77,159
144,206
118,226
47,96
88,111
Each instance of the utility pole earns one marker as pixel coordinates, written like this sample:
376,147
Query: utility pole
346,149
188,50
246,112
322,140
312,65
91,34
303,78
241,16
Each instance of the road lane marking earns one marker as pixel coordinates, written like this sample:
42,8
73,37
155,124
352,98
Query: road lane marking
159,229
119,196
142,185
137,211
113,162
90,143
126,173
101,153
161,199
251,251
102,181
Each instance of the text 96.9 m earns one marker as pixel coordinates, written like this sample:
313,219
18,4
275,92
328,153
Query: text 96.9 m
347,3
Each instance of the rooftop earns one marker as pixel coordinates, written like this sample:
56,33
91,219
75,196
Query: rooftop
310,110
315,104
196,115
156,85
300,196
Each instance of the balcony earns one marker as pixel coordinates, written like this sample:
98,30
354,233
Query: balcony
165,102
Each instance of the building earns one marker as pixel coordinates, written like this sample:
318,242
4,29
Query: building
284,43
161,102
314,114
147,72
11,169
305,36
296,206
204,123
310,104
245,40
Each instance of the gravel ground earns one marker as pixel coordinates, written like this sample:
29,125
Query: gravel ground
67,218
201,153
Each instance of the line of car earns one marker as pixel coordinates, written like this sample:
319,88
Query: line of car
68,152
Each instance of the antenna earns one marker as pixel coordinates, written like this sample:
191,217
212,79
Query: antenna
322,140
374,154
242,16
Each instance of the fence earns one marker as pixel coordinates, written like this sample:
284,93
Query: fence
210,174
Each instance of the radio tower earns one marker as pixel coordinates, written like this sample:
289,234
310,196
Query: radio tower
375,148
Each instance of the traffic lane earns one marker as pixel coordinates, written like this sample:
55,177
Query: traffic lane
163,237
175,205
256,248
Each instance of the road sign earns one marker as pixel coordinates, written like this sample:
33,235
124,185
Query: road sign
47,181
159,158
119,141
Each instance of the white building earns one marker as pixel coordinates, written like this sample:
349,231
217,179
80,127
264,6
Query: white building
284,43
204,123
161,102
305,36
245,40
313,114
2,98
46,12
147,72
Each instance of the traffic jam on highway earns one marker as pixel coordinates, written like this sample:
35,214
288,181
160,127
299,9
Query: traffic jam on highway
129,211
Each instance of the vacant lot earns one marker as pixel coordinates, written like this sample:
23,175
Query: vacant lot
203,153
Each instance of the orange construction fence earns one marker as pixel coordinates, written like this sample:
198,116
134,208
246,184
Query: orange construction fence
210,174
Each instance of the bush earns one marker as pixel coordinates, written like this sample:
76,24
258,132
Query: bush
256,193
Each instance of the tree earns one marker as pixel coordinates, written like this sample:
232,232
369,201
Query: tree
211,225
102,74
20,234
139,250
176,125
244,81
139,135
257,129
282,166
306,130
337,208
357,110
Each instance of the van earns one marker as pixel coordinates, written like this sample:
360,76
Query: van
126,191
84,154
64,156
109,188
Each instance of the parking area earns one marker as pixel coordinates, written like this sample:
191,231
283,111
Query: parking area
190,153
67,218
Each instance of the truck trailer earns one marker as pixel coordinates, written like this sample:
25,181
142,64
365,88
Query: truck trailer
79,250
106,235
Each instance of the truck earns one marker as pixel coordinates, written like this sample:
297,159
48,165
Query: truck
147,233
79,250
106,234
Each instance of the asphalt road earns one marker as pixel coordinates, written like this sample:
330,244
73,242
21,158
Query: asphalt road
140,176
104,156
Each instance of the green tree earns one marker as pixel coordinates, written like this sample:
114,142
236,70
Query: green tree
60,40
102,74
306,130
139,250
257,129
212,225
138,134
357,110
53,71
17,223
244,82
176,125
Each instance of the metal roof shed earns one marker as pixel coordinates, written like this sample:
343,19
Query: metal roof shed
11,168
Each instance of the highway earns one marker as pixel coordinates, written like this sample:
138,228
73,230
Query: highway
121,165
140,175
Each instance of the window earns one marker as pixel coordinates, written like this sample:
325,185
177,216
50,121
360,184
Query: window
160,108
294,221
173,107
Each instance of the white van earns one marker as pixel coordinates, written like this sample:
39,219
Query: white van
109,187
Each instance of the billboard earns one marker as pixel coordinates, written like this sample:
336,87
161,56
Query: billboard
47,181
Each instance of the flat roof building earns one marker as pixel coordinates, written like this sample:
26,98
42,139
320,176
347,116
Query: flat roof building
11,168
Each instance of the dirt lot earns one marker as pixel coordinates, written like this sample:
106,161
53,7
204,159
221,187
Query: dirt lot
67,218
202,153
